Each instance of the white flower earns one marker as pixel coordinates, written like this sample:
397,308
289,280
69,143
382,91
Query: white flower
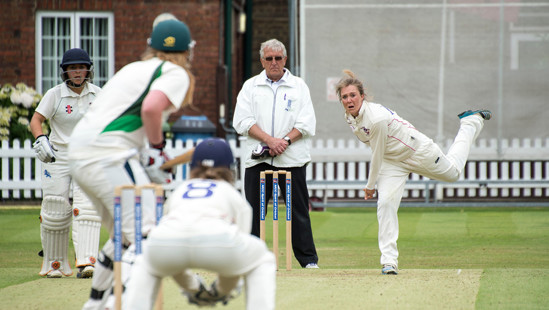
23,121
5,117
22,87
15,97
27,100
6,89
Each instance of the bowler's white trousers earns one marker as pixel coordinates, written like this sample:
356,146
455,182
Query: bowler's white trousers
428,161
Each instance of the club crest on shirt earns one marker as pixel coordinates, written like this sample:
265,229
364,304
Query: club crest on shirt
366,130
288,104
68,108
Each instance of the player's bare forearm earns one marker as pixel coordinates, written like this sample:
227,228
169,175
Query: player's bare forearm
369,193
294,135
258,134
36,124
151,114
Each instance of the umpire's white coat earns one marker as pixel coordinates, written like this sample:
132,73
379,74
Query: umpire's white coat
276,113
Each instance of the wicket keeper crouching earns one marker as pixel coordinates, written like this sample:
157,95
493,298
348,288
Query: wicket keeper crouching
206,225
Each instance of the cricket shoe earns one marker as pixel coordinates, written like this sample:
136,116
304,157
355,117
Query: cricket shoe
54,274
312,266
389,269
85,272
485,114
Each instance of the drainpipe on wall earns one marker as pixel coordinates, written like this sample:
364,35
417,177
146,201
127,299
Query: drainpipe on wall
224,70
292,37
248,37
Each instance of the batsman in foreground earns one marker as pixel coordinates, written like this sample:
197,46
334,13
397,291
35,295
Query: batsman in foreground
399,149
207,226
105,145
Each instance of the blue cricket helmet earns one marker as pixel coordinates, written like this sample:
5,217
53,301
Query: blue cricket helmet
212,152
75,56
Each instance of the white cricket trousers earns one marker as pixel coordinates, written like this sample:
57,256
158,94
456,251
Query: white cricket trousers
230,255
98,177
428,161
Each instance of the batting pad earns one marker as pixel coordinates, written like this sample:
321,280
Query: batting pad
55,218
86,229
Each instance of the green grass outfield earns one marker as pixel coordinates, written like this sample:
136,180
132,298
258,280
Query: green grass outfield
450,258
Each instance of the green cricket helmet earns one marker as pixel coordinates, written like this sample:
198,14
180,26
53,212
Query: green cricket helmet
171,36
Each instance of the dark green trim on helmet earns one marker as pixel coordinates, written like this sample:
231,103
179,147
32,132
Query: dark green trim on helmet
130,120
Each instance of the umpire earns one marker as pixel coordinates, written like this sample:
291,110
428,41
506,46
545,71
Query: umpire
274,109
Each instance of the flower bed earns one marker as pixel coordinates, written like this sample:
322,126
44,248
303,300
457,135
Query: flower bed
17,106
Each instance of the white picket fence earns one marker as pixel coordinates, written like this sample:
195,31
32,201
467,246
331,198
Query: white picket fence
516,170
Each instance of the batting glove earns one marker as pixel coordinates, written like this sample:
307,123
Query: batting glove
152,159
44,150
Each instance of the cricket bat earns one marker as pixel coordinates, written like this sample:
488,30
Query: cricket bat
178,160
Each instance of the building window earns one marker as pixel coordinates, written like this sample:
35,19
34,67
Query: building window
56,32
530,41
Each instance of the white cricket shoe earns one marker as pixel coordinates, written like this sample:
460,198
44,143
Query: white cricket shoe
312,266
85,272
389,269
54,274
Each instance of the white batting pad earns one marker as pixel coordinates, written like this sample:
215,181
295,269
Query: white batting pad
85,237
86,229
56,218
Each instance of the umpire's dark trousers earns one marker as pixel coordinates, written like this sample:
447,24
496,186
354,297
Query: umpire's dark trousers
302,236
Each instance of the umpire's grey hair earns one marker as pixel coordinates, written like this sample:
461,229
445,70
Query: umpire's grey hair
274,45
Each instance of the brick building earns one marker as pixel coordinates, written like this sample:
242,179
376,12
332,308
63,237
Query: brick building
34,34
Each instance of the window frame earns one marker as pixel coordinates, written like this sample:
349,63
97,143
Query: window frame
75,38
